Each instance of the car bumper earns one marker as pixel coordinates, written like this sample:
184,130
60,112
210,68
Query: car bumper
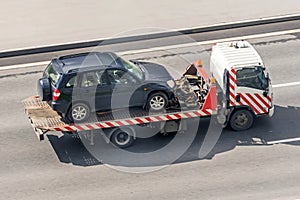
59,107
271,111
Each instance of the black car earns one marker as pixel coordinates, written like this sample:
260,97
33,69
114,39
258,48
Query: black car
76,85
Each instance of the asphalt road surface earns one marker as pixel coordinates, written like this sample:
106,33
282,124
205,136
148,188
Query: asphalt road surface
240,166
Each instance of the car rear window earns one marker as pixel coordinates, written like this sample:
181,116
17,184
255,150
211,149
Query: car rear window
52,74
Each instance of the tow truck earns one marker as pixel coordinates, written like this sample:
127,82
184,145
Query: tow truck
236,91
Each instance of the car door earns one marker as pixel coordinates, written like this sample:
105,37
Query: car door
95,90
103,91
127,90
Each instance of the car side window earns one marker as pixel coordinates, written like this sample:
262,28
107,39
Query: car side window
72,82
102,77
117,76
93,79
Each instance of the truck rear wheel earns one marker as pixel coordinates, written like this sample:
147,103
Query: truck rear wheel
241,120
122,138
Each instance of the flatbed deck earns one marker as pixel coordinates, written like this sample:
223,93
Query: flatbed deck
44,119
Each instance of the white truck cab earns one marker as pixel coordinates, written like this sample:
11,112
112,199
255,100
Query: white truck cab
244,82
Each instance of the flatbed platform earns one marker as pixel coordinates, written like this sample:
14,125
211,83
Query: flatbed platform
44,118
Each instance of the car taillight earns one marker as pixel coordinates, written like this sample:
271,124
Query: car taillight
56,94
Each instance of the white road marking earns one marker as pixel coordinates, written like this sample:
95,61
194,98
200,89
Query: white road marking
277,33
19,66
284,141
168,47
286,84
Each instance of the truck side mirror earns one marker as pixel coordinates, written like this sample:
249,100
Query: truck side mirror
267,76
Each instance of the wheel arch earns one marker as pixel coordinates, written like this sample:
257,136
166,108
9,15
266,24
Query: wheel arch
239,108
244,107
78,101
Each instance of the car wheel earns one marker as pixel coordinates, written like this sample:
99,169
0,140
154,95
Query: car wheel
122,138
241,120
79,112
157,102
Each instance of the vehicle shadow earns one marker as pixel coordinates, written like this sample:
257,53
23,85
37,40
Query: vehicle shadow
69,149
283,125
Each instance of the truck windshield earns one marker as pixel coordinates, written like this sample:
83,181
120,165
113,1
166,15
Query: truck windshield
252,77
52,74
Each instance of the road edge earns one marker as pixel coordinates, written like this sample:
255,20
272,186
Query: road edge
175,32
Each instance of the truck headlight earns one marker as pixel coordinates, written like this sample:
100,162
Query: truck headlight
171,83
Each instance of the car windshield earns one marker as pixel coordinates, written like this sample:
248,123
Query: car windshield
52,74
252,77
136,70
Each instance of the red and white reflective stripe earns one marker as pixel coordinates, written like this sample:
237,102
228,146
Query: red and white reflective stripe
232,86
133,121
257,102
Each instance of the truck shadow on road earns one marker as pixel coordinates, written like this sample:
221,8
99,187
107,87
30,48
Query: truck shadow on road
69,149
283,125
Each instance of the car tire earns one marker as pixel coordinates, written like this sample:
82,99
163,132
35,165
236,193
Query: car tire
122,138
157,102
241,120
79,112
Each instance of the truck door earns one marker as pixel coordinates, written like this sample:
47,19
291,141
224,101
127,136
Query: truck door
252,89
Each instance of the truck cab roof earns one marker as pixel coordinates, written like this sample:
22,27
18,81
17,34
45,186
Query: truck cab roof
237,54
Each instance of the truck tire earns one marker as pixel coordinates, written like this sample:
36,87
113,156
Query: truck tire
79,112
44,89
241,120
122,138
157,102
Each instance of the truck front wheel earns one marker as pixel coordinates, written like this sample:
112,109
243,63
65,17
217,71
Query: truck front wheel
241,120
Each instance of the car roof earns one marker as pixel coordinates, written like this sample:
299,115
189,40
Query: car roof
85,61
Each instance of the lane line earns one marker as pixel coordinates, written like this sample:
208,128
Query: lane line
284,141
131,52
286,84
35,64
277,33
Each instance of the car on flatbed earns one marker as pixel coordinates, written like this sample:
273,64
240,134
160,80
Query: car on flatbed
79,84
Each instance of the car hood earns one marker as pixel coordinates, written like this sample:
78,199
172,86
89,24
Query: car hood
155,72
